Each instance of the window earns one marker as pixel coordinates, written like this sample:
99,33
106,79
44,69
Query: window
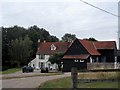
53,47
81,60
41,56
76,60
42,65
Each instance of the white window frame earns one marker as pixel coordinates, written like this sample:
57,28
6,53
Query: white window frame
76,60
53,47
81,60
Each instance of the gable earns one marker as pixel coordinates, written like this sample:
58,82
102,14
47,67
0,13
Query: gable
76,49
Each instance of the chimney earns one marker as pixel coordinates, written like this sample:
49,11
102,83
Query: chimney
38,40
44,41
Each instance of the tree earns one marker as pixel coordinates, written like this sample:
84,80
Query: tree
68,37
14,33
56,58
20,50
90,39
36,33
10,34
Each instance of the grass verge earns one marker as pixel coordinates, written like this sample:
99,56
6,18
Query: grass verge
66,83
9,71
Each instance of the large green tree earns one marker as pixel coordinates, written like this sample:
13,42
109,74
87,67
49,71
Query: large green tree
68,37
56,58
35,33
10,34
20,50
13,33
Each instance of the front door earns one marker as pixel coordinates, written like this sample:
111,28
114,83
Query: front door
42,65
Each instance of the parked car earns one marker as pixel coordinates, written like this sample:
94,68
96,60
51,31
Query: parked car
27,69
44,70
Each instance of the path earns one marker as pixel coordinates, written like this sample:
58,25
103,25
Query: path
29,82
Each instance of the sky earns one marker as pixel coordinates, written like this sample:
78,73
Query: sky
63,16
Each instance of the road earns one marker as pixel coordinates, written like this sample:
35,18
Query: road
29,82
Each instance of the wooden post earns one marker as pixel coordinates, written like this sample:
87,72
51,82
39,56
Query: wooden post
74,75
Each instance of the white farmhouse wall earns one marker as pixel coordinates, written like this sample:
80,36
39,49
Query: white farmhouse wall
37,62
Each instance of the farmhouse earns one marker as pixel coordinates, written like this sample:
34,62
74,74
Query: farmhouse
45,50
82,54
87,54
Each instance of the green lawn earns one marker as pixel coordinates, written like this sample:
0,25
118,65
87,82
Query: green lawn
66,83
9,71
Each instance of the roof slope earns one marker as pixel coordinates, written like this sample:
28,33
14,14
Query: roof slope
89,46
45,47
105,45
93,46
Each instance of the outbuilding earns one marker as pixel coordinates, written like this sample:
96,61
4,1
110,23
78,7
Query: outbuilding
82,52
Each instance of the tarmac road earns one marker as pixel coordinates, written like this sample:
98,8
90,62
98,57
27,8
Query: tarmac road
29,82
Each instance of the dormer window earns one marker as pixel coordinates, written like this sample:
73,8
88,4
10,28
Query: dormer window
53,47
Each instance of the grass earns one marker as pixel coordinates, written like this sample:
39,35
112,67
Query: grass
57,83
66,82
9,71
99,75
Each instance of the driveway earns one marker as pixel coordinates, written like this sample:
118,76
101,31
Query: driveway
29,82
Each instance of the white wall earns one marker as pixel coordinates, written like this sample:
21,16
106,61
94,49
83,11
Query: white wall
37,61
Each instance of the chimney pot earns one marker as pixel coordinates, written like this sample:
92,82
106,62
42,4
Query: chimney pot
38,40
44,41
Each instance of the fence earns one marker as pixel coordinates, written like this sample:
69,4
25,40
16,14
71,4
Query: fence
75,80
103,65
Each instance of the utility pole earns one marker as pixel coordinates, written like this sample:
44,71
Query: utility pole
119,25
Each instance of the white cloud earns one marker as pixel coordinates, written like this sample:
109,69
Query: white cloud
62,17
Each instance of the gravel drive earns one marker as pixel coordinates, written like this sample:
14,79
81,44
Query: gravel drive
29,82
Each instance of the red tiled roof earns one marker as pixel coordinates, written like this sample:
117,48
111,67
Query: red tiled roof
76,56
104,44
45,48
89,46
92,46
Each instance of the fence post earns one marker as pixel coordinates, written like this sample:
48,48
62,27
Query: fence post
74,75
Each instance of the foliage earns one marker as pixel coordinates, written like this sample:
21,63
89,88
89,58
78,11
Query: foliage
36,33
68,37
90,39
20,50
10,34
56,58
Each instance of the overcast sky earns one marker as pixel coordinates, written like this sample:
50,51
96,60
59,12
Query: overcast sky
63,17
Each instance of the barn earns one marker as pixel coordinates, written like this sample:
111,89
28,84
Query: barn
82,52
